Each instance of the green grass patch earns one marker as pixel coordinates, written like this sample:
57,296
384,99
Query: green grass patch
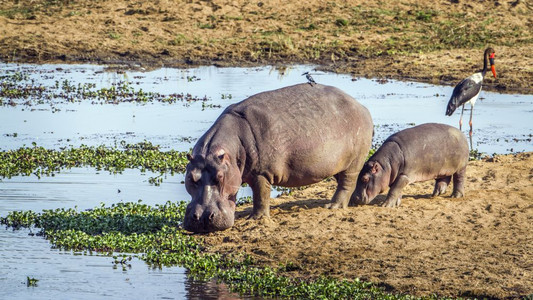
206,25
341,22
179,40
28,10
14,13
113,35
417,30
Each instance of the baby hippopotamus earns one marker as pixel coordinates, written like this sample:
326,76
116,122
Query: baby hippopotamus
424,152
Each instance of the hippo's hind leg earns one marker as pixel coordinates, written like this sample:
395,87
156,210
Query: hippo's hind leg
346,181
459,183
440,185
261,198
394,197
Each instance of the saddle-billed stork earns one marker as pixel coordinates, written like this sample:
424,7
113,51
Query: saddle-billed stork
467,91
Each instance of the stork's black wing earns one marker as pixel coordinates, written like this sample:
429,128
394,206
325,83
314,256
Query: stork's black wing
463,92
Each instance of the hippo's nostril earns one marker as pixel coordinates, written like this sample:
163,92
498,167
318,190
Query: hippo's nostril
196,216
211,216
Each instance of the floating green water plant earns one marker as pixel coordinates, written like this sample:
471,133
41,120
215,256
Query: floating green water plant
31,281
153,234
19,89
143,156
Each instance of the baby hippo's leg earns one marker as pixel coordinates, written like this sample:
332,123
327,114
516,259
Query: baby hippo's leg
395,194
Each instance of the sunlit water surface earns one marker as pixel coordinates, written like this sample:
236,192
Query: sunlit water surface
502,124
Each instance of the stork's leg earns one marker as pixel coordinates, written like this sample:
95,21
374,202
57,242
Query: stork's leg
470,123
461,118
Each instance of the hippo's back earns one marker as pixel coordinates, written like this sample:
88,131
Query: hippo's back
312,126
300,106
432,146
431,135
302,111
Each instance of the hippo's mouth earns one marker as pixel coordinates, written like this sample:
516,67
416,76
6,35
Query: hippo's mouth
365,198
215,217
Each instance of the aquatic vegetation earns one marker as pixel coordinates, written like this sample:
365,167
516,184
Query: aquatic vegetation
244,200
475,154
204,105
370,153
143,156
154,234
31,281
19,86
19,89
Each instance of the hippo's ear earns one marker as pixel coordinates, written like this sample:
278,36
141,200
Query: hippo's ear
189,157
375,168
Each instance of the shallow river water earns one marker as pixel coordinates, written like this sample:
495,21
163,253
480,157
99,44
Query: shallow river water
502,124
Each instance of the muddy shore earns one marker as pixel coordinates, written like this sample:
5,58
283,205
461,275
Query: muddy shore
437,42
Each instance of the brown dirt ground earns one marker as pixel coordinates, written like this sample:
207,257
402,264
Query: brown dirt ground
430,41
480,245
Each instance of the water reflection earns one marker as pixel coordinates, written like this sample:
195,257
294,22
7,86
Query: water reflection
210,290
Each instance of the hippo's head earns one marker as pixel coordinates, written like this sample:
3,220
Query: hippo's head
213,181
371,182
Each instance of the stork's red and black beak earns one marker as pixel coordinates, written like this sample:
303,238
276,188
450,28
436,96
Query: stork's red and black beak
492,66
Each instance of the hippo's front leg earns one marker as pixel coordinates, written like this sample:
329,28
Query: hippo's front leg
395,194
261,197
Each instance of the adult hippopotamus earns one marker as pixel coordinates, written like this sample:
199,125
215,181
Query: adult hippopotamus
293,136
424,152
